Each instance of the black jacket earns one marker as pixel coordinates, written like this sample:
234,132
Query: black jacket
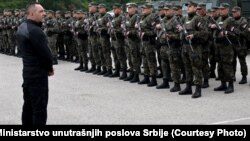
37,57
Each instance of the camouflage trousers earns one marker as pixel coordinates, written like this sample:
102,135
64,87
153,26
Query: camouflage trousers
5,42
240,52
225,64
119,46
134,51
105,52
82,49
205,64
11,41
68,41
149,58
175,62
60,45
128,54
114,54
52,45
193,63
94,46
1,42
212,57
164,53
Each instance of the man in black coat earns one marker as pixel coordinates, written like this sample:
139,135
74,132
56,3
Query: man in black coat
37,66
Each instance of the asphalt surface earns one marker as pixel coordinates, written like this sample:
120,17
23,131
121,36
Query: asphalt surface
81,98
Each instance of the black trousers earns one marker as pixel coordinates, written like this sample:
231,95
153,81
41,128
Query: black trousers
35,95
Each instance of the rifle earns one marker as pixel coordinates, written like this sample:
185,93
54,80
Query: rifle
87,27
163,32
124,27
185,33
219,28
138,20
97,26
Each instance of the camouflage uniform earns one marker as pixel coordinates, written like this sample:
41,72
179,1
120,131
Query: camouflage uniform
104,40
1,32
239,44
148,49
117,40
52,30
192,53
67,26
82,42
59,40
134,44
93,44
225,52
170,51
205,48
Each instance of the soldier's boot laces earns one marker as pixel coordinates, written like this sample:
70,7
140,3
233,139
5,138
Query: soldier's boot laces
243,80
145,80
98,70
176,87
135,78
197,92
222,87
130,77
85,68
108,73
80,67
153,82
164,84
230,88
187,90
205,83
92,69
124,74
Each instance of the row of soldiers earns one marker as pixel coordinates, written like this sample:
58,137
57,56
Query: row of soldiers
9,21
186,48
189,46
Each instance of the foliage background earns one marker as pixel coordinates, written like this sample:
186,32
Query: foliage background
59,4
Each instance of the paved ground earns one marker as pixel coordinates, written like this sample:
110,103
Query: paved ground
80,98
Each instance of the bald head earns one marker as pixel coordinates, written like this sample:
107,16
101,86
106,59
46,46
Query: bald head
36,12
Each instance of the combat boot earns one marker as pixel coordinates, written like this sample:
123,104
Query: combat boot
176,87
85,68
145,80
243,80
187,90
98,70
135,79
80,67
116,73
130,77
153,82
92,69
108,73
222,87
205,83
124,74
230,88
104,71
165,84
197,92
